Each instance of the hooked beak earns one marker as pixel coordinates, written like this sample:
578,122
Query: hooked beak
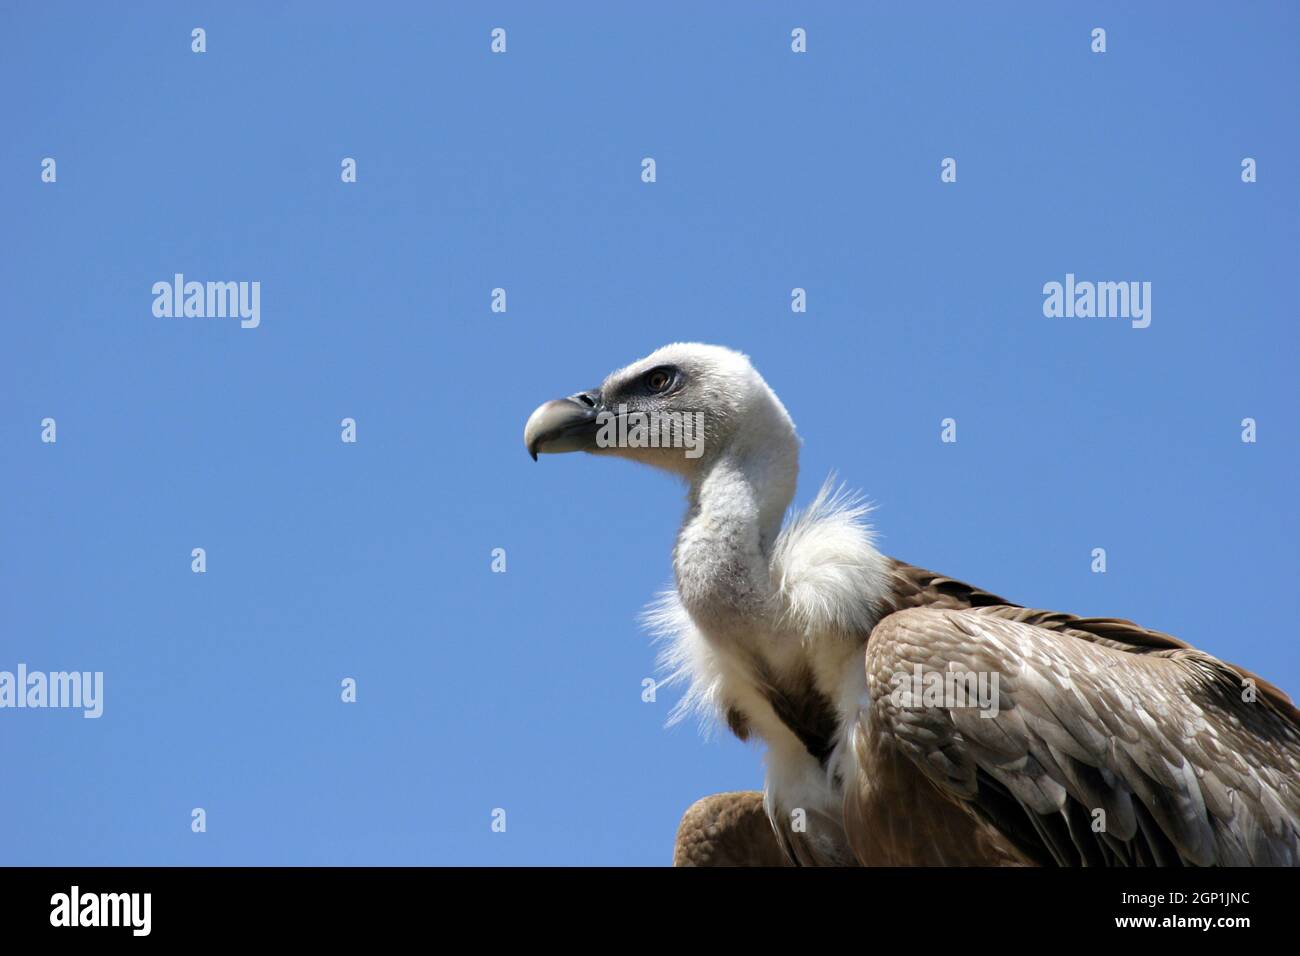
562,425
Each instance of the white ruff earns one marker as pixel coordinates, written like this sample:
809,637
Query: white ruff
828,578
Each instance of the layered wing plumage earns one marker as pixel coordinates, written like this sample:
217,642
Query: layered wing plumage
1110,744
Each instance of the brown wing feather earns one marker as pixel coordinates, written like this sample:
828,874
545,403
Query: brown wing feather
727,829
913,587
1094,715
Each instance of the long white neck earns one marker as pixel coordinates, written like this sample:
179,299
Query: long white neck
735,506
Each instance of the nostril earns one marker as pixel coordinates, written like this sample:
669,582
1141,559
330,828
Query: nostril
586,398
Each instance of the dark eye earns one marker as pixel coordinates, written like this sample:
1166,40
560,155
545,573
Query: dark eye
658,379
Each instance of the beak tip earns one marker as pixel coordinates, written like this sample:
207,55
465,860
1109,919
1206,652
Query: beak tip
561,425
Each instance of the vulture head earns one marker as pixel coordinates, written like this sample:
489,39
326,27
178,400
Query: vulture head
682,408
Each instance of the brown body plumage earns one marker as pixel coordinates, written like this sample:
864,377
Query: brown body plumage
932,789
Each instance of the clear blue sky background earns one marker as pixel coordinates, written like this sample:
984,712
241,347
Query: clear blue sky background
522,690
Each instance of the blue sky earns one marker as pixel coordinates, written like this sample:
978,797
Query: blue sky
775,170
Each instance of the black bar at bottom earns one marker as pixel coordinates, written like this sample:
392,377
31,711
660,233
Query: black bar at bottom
333,905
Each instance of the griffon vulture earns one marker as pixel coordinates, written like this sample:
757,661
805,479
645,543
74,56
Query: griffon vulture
1101,742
